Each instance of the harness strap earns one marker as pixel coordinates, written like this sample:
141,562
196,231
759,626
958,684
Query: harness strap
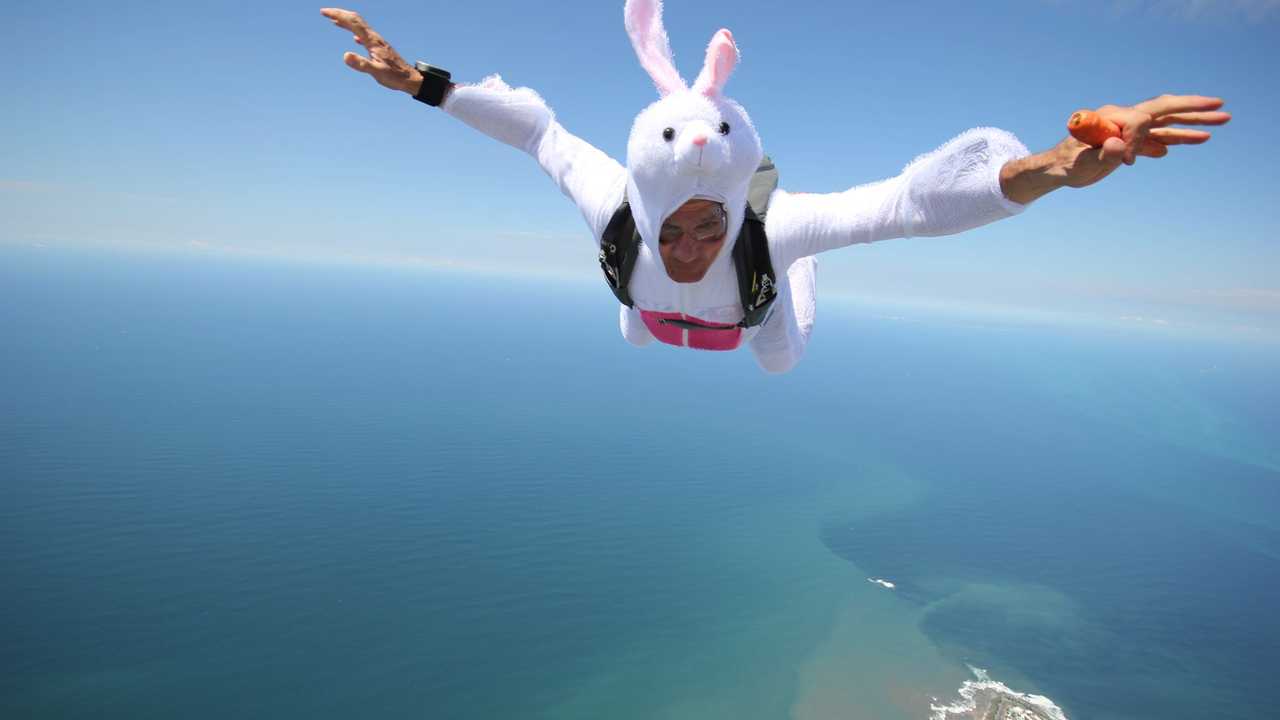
618,250
757,285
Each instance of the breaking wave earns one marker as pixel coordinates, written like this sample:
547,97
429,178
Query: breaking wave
979,697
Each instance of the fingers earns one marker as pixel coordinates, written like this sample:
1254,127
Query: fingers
363,64
1156,145
1145,131
1178,136
1134,127
383,63
1166,104
1112,152
1115,151
1193,118
1153,148
348,20
345,19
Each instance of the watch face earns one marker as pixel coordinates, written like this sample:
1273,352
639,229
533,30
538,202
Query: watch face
427,69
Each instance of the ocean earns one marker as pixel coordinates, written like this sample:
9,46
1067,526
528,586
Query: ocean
245,487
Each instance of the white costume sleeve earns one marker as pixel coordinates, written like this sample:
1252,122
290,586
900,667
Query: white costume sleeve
952,189
520,118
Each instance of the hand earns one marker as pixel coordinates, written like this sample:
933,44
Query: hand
384,63
1144,130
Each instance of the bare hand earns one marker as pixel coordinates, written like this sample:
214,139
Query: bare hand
1144,130
384,64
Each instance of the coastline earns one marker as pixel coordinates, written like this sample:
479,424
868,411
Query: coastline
987,699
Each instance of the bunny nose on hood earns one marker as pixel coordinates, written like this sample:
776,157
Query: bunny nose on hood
697,153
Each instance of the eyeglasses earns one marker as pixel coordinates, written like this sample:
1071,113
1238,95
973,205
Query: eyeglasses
707,230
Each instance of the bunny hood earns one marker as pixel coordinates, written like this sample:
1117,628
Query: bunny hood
693,142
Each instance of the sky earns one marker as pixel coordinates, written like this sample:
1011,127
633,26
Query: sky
221,127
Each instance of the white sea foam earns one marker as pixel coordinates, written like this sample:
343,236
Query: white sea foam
882,583
979,695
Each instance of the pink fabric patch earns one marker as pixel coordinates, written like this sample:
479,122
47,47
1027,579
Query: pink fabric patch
726,339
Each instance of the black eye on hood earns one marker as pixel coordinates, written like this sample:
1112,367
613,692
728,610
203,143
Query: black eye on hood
724,128
668,134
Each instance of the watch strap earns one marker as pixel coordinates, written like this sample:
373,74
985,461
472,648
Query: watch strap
435,84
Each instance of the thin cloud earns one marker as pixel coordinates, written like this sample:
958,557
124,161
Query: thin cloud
1144,320
78,190
1257,299
1251,11
1254,11
19,185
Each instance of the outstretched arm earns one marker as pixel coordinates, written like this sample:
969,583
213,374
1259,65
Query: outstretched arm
979,177
1144,131
951,189
518,117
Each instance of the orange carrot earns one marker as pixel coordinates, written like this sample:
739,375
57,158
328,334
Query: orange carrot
1092,129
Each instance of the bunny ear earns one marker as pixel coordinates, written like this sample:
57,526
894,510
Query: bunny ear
722,56
649,38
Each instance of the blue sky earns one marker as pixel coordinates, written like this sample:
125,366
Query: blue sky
235,127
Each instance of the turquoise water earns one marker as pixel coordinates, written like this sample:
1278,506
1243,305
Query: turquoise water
256,488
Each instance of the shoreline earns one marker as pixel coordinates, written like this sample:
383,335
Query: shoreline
987,699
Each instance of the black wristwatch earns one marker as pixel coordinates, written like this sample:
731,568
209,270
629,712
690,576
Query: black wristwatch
435,83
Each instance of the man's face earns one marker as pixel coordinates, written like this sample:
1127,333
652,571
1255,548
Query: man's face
690,239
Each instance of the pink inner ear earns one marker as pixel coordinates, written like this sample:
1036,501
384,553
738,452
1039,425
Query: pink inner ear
653,49
722,57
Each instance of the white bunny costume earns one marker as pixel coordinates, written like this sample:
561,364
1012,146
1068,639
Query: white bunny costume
696,143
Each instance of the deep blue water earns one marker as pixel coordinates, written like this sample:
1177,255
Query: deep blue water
257,488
